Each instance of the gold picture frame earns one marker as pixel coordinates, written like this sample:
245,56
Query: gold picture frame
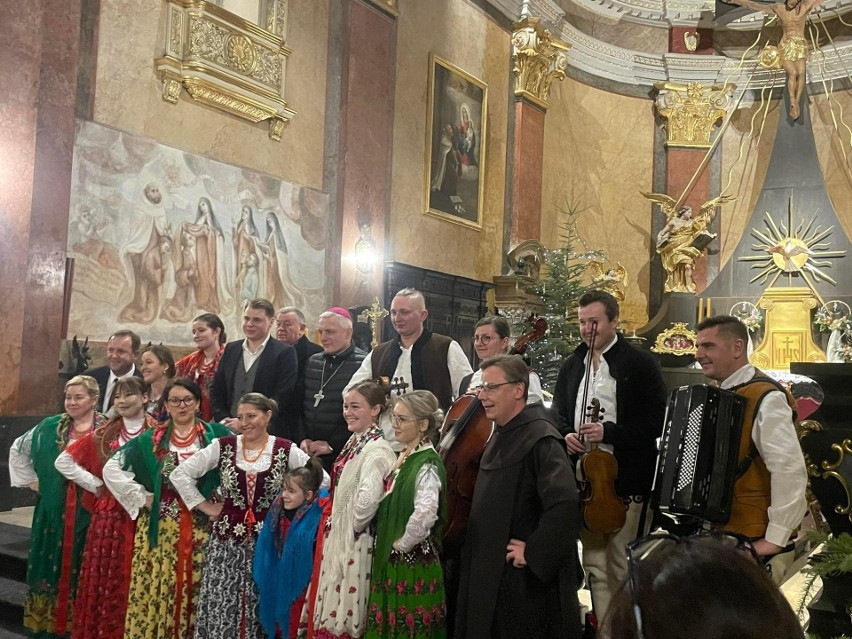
456,122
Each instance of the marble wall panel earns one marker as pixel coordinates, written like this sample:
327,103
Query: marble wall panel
365,164
598,156
465,36
832,121
128,93
20,59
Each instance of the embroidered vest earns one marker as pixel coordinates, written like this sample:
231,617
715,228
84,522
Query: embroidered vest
239,516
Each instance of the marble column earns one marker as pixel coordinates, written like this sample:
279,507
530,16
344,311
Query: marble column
691,113
359,131
537,60
39,66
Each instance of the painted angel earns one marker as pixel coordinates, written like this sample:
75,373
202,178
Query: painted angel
610,279
683,238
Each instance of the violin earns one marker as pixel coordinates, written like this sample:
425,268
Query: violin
604,512
464,435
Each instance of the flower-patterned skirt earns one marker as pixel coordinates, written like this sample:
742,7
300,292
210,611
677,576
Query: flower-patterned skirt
162,602
408,600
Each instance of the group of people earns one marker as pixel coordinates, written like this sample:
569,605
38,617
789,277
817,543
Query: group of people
274,490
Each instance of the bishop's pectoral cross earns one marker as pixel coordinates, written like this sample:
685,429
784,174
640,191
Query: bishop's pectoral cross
318,397
373,315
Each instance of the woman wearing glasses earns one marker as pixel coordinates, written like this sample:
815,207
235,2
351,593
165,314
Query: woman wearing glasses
491,337
251,468
407,583
166,568
709,586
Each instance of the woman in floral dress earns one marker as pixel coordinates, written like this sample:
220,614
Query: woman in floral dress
341,580
251,467
167,550
101,600
208,333
407,583
59,519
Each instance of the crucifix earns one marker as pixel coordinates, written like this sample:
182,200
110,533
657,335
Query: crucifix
372,316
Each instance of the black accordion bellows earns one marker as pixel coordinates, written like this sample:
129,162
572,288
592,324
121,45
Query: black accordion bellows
698,461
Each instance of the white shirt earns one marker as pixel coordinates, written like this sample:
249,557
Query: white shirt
457,365
250,358
123,485
427,493
113,378
602,388
775,438
72,471
534,395
184,477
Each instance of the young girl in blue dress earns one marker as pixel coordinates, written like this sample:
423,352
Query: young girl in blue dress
285,550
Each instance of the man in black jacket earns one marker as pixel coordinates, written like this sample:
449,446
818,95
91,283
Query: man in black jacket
122,352
629,386
290,328
326,375
257,364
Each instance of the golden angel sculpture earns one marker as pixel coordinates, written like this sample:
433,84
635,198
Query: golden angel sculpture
610,279
684,238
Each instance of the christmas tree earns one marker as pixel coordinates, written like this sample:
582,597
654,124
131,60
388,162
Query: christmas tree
560,288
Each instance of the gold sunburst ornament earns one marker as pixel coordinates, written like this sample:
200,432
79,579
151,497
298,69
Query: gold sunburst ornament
785,251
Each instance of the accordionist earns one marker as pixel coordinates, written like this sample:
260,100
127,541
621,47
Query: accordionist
769,498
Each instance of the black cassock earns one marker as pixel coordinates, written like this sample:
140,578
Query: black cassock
525,490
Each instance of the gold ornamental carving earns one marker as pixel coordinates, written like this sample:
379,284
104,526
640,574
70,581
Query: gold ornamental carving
226,62
537,60
691,111
678,339
787,336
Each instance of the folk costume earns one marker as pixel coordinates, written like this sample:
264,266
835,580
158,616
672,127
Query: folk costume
59,526
202,373
525,490
101,601
282,564
631,390
167,548
250,482
407,585
341,580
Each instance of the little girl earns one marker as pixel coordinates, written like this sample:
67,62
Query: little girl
285,550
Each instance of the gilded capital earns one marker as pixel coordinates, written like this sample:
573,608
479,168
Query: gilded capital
537,60
692,110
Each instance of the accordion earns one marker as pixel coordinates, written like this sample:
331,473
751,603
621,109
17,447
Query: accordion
699,449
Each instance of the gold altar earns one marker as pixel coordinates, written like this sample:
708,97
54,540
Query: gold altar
788,329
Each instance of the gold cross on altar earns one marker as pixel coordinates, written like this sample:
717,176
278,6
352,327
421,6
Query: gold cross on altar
372,316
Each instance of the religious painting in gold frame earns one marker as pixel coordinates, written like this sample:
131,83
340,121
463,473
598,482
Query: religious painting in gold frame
455,144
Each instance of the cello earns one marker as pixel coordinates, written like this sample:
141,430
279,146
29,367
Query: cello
604,512
464,435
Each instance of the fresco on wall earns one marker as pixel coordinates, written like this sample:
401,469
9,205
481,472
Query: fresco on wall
159,236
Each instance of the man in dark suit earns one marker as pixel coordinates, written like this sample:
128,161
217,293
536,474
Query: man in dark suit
122,352
259,364
290,328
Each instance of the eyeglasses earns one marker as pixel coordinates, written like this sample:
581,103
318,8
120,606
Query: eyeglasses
482,339
488,387
177,401
403,419
640,549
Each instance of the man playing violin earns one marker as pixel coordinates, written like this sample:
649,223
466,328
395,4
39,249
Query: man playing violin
519,561
629,386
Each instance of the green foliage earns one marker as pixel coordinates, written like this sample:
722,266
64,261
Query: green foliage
835,556
560,288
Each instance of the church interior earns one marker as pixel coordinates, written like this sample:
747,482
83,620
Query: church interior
159,157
